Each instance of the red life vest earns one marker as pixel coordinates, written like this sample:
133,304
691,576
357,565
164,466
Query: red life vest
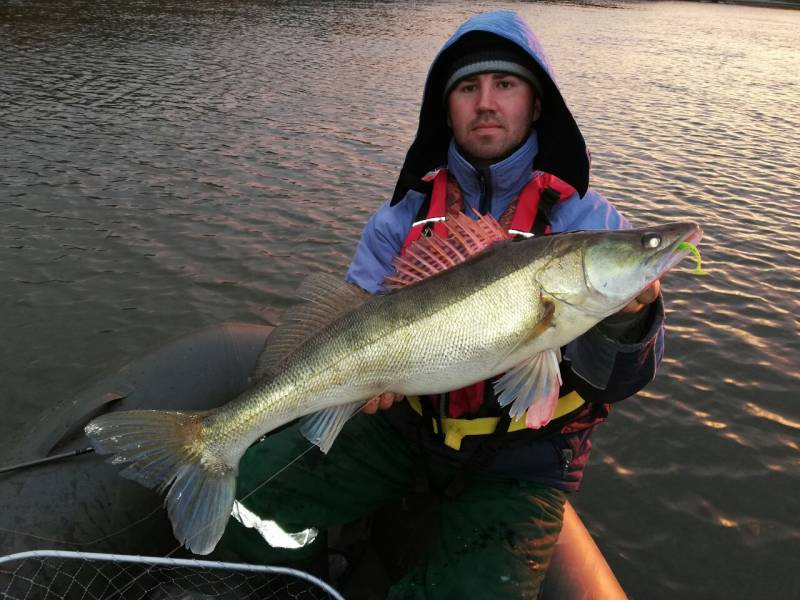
520,218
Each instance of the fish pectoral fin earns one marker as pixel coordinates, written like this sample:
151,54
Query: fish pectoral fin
544,323
531,388
322,428
548,314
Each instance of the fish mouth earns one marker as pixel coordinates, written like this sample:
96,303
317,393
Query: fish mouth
675,255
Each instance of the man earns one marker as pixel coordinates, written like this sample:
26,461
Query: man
495,136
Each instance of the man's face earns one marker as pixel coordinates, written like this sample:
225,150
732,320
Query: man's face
491,115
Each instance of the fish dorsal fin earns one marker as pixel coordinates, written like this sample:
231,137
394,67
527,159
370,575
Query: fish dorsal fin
331,291
326,298
431,255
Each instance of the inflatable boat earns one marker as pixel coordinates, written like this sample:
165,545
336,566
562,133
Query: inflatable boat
56,494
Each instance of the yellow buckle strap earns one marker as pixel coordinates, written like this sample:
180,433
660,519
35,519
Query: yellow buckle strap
456,430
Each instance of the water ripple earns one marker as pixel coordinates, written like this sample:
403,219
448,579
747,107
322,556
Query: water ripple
167,166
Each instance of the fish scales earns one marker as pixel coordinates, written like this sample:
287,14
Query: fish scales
506,310
465,317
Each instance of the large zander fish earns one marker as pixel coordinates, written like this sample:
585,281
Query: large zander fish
469,307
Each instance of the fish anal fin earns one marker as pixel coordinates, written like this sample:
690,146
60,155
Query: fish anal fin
431,255
532,388
322,428
326,297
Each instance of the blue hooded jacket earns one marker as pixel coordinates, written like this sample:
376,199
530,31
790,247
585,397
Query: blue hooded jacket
600,366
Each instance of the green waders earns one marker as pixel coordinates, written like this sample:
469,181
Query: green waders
492,541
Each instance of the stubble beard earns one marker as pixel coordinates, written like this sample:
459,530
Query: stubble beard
492,150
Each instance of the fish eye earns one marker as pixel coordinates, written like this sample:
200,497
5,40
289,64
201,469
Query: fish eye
651,240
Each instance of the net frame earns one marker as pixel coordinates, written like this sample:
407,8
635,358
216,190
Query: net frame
157,561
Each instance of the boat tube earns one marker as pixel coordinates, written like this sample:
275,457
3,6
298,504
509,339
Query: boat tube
55,494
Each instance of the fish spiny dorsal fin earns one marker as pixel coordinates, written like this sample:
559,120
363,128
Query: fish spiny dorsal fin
431,255
326,298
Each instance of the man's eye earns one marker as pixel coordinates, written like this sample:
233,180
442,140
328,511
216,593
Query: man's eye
505,84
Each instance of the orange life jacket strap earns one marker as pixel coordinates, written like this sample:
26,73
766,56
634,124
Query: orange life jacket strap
542,188
437,208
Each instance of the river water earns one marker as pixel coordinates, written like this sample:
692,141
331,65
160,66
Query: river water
167,166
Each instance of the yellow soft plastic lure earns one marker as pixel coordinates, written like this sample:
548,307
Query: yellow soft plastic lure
698,269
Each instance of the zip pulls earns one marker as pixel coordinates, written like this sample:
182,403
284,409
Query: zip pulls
485,181
566,459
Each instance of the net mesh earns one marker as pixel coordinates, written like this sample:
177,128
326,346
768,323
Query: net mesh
79,576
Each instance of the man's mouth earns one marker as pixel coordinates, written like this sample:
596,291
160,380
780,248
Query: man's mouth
486,127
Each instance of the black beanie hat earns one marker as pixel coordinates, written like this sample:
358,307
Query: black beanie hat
490,60
562,150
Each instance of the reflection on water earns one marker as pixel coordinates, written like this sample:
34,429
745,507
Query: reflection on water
166,167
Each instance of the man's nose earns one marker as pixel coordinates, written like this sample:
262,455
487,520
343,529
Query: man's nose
486,96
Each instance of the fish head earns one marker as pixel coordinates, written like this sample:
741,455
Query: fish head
619,265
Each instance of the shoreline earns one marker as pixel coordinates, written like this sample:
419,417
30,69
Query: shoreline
791,4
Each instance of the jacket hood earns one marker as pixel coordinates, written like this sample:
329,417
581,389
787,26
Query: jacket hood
562,150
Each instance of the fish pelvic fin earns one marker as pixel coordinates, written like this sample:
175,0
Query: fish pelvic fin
532,388
164,450
431,255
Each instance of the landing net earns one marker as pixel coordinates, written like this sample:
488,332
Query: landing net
55,574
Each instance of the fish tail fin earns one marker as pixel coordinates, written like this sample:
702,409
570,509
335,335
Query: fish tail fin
165,450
